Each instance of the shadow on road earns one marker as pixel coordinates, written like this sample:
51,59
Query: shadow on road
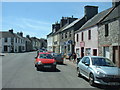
105,87
61,64
49,70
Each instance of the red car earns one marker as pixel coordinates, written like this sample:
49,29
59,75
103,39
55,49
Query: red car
45,60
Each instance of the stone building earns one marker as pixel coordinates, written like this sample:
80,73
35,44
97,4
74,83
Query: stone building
86,37
109,35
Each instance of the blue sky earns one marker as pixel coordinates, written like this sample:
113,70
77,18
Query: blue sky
36,18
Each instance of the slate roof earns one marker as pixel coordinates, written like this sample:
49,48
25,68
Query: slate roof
62,28
72,24
96,19
50,34
18,36
27,39
114,14
7,34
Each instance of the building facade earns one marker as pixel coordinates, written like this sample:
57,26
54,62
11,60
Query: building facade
109,35
86,37
12,42
87,42
68,33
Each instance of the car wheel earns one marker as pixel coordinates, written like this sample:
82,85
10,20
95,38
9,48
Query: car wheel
78,72
91,79
37,68
61,62
54,68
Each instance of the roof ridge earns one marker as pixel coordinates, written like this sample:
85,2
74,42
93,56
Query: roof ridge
107,14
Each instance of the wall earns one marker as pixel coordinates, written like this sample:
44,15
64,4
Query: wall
92,43
111,40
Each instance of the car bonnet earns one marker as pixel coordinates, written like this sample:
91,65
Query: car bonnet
108,70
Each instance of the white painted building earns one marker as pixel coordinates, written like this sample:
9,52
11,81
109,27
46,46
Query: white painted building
12,42
87,42
49,43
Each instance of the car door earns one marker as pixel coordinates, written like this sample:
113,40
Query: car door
86,66
82,65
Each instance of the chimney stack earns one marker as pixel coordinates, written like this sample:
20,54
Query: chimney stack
71,19
115,3
21,34
63,21
90,11
11,30
27,36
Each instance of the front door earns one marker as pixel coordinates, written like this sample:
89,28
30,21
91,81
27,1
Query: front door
82,52
116,55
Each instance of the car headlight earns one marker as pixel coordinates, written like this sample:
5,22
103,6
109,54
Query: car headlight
101,74
39,62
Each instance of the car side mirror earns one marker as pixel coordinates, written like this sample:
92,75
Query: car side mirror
35,57
87,64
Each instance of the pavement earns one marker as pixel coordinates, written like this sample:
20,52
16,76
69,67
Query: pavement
2,54
71,62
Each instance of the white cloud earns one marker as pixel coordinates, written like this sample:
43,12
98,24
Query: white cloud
28,26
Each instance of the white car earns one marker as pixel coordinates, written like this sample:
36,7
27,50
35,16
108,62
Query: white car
99,70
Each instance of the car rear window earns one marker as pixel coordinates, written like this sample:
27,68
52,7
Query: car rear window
46,56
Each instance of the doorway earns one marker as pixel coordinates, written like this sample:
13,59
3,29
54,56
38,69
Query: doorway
82,51
116,55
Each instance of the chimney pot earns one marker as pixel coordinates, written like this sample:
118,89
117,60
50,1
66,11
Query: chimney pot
11,30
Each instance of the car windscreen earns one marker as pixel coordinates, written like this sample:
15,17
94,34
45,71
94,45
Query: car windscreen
46,56
102,62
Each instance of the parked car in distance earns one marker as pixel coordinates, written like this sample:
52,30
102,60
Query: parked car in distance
45,60
99,70
58,57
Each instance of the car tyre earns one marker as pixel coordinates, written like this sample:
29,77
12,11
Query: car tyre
91,79
54,68
37,68
78,72
61,62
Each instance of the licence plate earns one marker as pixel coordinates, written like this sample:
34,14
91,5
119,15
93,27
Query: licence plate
47,66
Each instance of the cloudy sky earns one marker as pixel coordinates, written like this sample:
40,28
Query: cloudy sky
36,18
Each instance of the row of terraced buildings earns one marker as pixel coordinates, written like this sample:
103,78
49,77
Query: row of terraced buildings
95,34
